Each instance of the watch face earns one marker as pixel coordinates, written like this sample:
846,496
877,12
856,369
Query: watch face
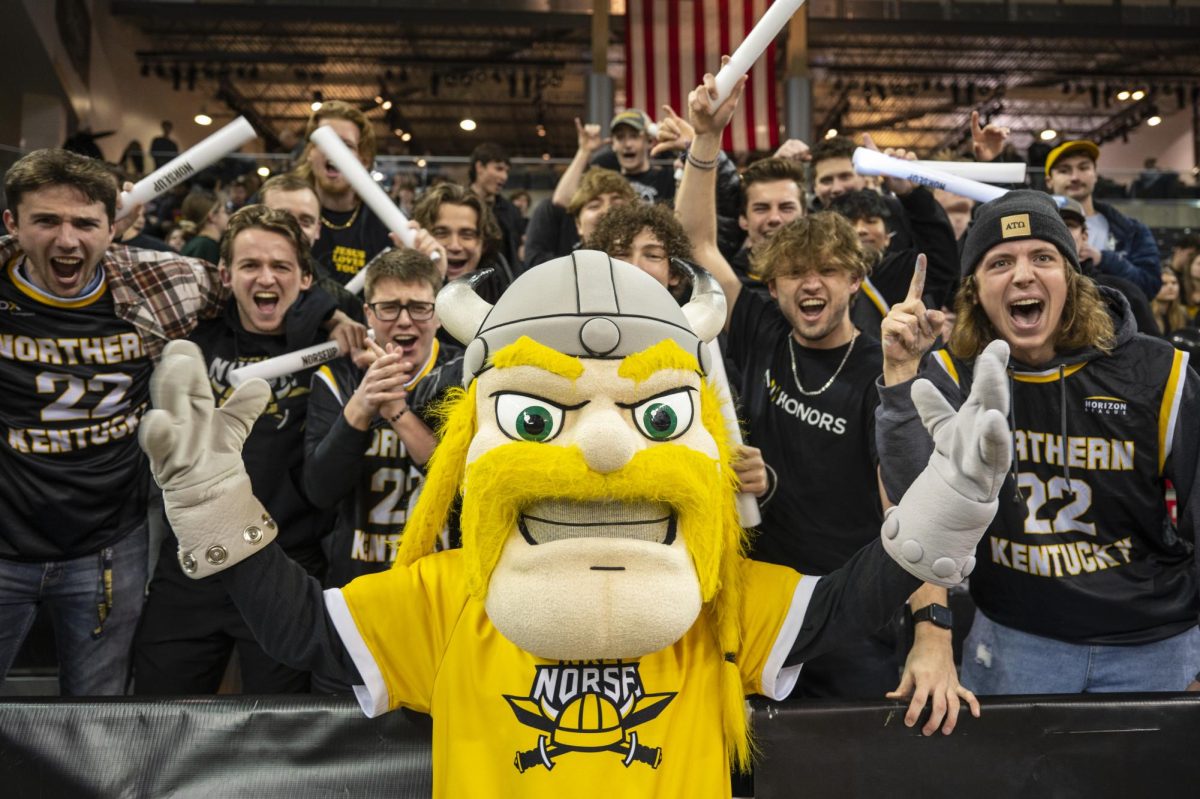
938,615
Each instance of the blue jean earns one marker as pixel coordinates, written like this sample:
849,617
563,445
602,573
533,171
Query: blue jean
1001,660
93,654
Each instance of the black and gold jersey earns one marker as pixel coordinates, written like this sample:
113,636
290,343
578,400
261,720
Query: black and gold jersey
368,474
76,383
1082,547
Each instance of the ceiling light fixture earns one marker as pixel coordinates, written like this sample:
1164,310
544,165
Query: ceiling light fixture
1154,121
1123,95
202,118
467,124
829,134
264,172
1137,95
406,136
1048,134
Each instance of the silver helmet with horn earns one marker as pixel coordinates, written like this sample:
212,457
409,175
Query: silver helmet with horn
584,304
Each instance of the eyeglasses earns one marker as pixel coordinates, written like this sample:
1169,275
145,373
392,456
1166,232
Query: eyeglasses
418,311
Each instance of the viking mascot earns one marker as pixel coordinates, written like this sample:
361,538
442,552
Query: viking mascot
599,629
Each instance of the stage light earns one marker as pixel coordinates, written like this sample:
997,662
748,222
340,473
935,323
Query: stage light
202,119
1137,95
1154,121
1049,134
406,136
386,105
264,172
421,163
467,124
1123,95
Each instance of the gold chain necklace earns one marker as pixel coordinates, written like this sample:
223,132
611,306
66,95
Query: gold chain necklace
344,225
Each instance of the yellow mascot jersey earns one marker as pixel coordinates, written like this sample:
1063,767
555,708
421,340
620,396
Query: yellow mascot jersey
509,724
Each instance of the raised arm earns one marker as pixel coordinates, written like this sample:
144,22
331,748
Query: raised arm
590,141
695,205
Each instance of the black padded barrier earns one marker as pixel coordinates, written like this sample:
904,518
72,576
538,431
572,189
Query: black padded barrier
290,747
1119,745
1091,746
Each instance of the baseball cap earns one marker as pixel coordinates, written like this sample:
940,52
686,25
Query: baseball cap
631,117
1072,208
1071,148
1019,214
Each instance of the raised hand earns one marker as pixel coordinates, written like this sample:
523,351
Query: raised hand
705,119
589,136
909,330
987,143
897,186
195,452
674,133
934,530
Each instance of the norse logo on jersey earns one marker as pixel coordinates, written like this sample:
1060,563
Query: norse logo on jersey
591,707
1110,406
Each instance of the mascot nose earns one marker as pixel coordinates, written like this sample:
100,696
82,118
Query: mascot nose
606,441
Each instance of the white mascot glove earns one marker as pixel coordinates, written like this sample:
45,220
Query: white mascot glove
934,530
195,452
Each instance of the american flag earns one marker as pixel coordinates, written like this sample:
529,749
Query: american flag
670,44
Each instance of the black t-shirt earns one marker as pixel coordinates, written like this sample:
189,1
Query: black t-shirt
348,242
822,448
76,381
655,185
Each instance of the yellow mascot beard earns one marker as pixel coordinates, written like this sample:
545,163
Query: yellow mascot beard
581,565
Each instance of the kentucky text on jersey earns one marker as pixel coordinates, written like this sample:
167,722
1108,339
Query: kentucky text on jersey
55,441
1060,560
106,350
811,416
1082,452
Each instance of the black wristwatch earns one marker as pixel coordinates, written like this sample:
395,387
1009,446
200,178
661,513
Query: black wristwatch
939,615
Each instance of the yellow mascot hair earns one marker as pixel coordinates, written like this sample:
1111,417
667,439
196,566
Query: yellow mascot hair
456,416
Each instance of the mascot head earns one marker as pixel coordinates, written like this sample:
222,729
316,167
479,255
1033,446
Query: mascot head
598,513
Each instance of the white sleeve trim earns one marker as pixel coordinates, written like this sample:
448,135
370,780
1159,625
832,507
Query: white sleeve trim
778,680
372,696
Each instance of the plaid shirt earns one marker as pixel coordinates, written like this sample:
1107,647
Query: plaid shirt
161,294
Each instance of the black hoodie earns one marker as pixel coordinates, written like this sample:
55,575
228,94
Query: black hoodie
1083,548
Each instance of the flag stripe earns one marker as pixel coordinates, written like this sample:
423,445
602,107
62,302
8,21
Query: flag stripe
670,44
673,35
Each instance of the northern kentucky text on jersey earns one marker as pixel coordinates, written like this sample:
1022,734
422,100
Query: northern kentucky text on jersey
1082,452
102,351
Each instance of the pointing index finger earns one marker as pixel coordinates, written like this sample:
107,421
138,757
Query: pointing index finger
916,289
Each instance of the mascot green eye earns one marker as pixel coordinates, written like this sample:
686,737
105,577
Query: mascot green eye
666,416
525,418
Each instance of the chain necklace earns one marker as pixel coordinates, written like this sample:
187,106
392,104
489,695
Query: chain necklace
829,382
344,225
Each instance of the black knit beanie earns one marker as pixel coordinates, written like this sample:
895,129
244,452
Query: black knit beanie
1020,214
